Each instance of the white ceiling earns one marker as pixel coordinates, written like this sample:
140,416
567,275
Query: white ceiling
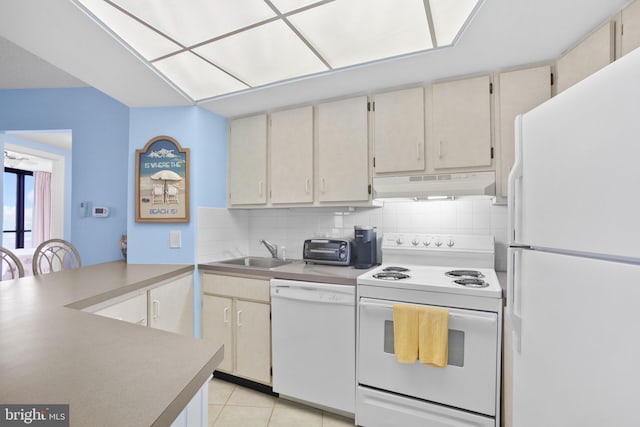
74,49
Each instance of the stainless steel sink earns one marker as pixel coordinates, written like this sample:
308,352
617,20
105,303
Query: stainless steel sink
254,261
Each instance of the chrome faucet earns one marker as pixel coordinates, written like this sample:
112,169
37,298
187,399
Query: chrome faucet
273,249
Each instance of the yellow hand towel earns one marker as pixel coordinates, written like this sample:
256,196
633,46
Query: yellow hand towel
434,336
406,319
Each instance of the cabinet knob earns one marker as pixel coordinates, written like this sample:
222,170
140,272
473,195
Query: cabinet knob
450,243
415,242
398,241
438,243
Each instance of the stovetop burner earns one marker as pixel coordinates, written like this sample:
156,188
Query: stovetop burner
391,275
465,273
396,269
471,283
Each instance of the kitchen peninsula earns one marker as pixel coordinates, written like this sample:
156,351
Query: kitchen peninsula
110,372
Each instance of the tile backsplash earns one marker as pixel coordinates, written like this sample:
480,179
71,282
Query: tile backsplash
232,233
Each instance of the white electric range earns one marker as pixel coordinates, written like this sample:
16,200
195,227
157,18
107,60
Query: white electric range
450,271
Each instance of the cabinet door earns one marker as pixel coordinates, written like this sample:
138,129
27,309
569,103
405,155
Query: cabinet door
291,162
217,323
253,341
132,310
519,92
171,306
248,161
462,123
398,131
630,28
343,152
592,54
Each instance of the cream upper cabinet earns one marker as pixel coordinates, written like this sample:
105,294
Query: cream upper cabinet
248,161
592,54
343,151
291,160
518,92
398,131
461,128
629,32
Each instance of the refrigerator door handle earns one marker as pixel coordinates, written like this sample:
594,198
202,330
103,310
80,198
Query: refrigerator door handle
514,183
513,290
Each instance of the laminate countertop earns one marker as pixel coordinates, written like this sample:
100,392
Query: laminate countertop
111,373
294,270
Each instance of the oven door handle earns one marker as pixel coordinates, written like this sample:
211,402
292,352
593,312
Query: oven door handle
453,313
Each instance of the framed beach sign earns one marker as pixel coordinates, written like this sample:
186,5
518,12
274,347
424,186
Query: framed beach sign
162,181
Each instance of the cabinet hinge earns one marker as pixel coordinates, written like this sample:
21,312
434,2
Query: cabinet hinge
368,106
271,371
374,162
622,29
369,189
371,106
490,87
551,79
492,152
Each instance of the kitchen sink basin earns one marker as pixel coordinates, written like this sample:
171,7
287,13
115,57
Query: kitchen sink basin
252,261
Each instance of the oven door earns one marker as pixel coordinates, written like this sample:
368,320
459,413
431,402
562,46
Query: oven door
467,382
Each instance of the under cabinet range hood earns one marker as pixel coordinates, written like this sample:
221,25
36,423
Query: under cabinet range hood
428,186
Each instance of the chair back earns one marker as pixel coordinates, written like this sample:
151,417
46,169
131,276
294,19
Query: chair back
11,266
55,255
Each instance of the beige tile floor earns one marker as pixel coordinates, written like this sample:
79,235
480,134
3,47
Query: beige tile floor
232,405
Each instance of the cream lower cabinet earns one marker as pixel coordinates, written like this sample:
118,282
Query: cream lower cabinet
237,309
166,305
132,309
171,306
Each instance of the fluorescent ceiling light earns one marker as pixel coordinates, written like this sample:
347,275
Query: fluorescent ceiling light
357,31
209,48
265,54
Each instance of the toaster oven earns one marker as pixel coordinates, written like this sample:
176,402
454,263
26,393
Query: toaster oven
327,251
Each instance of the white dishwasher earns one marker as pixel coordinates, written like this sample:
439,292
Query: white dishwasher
313,339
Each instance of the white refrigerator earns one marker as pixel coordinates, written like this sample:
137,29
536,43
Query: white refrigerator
574,259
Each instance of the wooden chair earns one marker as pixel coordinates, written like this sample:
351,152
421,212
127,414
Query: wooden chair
11,265
55,255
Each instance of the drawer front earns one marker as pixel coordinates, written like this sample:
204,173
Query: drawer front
238,287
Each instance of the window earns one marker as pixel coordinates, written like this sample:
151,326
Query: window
18,208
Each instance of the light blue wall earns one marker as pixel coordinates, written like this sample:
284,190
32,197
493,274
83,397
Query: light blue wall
205,134
100,127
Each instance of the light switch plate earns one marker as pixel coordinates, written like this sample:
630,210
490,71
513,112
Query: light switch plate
175,239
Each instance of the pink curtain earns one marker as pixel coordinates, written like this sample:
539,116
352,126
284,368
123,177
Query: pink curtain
41,227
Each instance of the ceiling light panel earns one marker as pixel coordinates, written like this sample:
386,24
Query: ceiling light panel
357,31
449,16
266,54
197,77
144,40
193,21
285,6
